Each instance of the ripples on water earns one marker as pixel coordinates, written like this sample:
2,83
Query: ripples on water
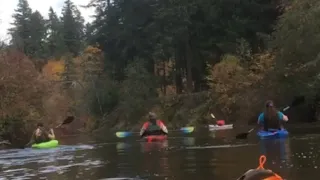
184,158
43,161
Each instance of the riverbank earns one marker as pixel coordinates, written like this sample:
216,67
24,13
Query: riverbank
195,110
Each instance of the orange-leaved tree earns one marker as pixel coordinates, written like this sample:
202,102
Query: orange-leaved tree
22,89
53,70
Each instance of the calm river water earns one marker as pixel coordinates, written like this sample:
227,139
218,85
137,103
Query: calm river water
196,156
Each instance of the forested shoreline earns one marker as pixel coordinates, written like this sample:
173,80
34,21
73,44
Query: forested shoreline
181,59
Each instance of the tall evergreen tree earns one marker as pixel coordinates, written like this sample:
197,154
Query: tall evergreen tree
72,27
37,35
55,42
20,32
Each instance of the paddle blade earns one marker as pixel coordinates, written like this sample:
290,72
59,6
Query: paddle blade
123,134
68,120
187,130
242,136
298,100
212,116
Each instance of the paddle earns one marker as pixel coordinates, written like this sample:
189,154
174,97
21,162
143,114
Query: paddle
68,120
296,101
124,134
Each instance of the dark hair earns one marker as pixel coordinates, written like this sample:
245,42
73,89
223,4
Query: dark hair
270,113
39,124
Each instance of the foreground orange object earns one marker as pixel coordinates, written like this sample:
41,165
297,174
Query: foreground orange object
260,173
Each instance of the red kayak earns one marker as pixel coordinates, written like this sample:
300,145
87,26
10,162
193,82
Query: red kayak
152,138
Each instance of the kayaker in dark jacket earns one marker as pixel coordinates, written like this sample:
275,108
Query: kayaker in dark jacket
153,126
271,117
40,135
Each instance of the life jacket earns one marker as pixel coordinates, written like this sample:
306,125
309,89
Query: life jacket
153,128
149,126
260,173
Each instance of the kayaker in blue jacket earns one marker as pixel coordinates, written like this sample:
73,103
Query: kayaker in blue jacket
40,135
153,126
271,117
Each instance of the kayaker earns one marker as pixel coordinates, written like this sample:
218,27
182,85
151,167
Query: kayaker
40,135
271,117
153,126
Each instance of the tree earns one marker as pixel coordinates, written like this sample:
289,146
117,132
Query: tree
37,36
184,32
72,28
297,42
20,32
55,42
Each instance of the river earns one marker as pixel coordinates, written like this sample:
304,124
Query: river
187,157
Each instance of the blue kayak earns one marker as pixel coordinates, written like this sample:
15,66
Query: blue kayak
273,134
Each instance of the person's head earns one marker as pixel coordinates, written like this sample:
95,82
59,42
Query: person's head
152,117
270,109
39,129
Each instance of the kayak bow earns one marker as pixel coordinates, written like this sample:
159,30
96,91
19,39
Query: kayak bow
46,145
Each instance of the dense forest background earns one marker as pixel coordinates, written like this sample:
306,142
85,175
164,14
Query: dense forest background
181,59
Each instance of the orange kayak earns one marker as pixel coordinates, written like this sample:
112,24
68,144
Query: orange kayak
152,138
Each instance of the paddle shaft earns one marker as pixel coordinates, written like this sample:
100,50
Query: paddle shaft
124,134
165,133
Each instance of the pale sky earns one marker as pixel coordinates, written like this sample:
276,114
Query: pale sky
7,9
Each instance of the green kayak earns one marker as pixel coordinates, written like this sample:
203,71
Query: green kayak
49,144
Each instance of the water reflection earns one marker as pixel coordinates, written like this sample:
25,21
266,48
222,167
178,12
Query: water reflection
278,148
153,146
278,155
123,146
220,133
155,159
188,141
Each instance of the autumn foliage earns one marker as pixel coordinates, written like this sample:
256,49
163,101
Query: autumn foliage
22,89
53,70
230,78
29,96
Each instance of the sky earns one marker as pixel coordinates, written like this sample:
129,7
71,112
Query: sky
7,8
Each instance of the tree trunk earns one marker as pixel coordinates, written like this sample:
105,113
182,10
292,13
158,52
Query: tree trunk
178,80
189,67
164,83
